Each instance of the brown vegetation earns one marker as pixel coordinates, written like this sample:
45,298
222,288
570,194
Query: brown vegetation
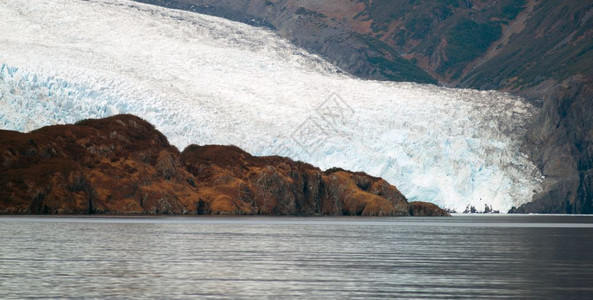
123,165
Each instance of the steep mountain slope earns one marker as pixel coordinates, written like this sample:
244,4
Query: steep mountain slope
555,43
318,27
560,141
508,44
122,165
542,50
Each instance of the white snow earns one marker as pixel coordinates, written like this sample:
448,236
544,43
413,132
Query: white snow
207,80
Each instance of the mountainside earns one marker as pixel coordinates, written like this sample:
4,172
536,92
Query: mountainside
560,141
319,27
122,165
502,44
542,50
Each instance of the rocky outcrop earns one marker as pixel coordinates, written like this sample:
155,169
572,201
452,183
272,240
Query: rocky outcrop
560,142
123,165
418,208
232,181
115,165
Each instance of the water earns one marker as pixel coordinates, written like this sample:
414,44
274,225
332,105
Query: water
176,257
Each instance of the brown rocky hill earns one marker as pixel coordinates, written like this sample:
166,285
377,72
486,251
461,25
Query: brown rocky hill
123,165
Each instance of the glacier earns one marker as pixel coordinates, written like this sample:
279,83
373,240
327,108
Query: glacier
206,80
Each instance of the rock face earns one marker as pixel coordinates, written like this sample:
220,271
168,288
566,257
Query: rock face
122,165
561,143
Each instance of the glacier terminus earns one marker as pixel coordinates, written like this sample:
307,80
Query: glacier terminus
207,80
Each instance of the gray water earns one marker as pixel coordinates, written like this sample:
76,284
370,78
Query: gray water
199,257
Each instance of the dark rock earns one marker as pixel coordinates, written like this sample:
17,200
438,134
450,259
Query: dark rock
560,142
426,209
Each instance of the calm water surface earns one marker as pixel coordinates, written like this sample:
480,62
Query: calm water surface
470,257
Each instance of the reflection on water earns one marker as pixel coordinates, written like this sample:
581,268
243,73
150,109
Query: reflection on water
463,257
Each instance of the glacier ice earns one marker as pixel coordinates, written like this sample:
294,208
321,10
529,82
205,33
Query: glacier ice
207,80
